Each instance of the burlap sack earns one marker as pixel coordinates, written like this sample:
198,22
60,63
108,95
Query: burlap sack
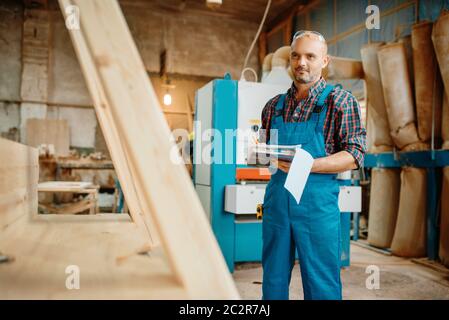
398,94
343,68
383,206
375,133
370,129
409,238
440,39
378,129
445,123
444,222
428,83
407,41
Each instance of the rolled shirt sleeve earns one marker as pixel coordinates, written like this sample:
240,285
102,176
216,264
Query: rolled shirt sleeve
351,133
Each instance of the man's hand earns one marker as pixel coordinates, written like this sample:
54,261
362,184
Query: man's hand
283,165
335,163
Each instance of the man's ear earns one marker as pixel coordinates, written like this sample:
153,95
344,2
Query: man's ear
326,60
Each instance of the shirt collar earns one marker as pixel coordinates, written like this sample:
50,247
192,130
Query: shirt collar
314,90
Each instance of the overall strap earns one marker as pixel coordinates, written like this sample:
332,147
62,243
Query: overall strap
322,98
280,106
320,109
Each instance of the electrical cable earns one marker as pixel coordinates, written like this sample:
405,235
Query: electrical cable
267,8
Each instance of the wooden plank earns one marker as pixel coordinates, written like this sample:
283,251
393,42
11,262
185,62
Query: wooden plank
185,232
19,173
83,219
66,186
105,247
97,245
49,131
124,169
72,208
432,264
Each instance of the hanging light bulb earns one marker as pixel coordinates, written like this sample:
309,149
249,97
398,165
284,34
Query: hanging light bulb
167,99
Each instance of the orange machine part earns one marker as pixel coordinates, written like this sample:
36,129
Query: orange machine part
252,174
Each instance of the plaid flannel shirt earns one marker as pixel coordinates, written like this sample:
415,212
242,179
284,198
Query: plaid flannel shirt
343,128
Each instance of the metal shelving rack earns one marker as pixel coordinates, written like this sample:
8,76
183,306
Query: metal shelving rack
433,161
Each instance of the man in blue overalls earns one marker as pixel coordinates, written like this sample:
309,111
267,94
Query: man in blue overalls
326,122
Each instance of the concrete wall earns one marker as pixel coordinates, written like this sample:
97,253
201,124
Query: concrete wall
9,121
66,82
11,21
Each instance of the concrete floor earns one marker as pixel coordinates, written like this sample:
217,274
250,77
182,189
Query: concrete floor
399,279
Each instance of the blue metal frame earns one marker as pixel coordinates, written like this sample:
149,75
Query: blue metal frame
355,217
248,241
224,116
432,161
419,159
345,225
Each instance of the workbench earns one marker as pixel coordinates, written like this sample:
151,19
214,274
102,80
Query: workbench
90,202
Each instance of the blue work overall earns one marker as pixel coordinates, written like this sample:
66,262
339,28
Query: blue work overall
312,226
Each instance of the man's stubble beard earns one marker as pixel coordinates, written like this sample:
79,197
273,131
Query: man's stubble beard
307,79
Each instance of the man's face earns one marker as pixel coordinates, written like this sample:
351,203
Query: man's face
308,57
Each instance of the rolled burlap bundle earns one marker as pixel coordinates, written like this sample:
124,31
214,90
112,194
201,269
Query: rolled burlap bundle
398,96
370,130
375,133
409,238
343,68
444,222
407,41
445,123
266,65
378,128
383,206
280,57
440,39
428,83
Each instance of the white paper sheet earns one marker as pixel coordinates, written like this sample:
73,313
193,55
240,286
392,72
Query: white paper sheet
299,173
